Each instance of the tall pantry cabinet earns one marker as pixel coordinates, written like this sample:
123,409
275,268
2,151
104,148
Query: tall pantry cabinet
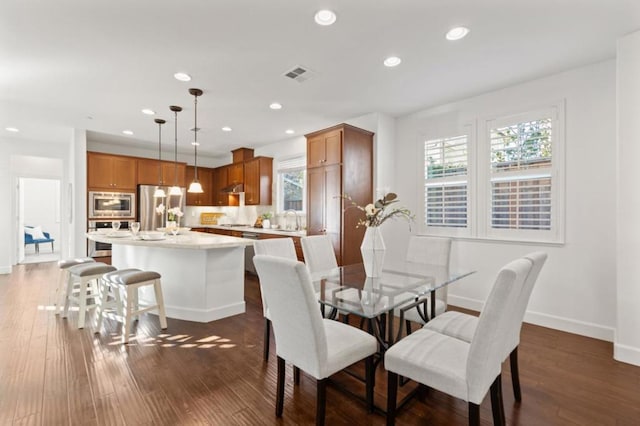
339,162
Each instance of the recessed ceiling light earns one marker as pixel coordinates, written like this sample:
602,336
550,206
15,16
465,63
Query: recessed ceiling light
127,132
195,143
275,105
182,76
148,111
392,61
12,129
226,129
325,17
457,33
289,131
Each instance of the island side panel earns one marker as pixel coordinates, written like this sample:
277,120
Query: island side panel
186,276
225,281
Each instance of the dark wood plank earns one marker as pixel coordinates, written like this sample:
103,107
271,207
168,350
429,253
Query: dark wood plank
53,373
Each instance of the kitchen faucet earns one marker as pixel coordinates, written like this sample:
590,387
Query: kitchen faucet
296,216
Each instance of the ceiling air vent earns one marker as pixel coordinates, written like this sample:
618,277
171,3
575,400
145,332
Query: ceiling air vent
299,74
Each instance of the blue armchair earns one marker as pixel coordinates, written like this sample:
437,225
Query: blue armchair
28,239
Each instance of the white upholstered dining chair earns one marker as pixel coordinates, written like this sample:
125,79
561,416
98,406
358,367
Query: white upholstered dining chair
320,347
463,326
282,247
465,370
320,258
434,251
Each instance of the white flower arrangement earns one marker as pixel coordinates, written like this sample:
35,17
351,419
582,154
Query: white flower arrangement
174,213
377,213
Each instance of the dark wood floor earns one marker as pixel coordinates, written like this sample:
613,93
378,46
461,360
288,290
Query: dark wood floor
51,373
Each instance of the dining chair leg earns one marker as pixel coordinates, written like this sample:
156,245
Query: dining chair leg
280,388
296,375
267,338
423,390
321,401
515,374
497,405
392,394
474,414
370,381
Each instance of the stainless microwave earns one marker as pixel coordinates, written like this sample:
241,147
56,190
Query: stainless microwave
112,204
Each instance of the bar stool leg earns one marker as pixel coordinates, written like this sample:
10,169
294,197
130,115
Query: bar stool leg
128,308
82,302
67,298
136,303
103,295
60,288
157,288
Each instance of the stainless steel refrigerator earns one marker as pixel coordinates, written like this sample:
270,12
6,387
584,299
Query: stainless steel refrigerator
148,215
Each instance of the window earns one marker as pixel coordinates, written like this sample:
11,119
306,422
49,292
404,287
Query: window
521,175
445,191
292,179
508,185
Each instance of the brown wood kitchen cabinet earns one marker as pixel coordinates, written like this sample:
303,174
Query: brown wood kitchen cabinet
205,176
296,242
110,172
258,176
235,173
339,162
149,174
220,181
324,148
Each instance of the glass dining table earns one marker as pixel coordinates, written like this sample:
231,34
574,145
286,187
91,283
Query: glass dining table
348,290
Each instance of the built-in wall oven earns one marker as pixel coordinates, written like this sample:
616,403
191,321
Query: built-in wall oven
111,204
98,249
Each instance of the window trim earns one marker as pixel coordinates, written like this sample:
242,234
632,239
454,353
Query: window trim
278,170
467,129
479,177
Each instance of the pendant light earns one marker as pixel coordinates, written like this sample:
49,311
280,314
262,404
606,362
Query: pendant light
195,186
159,192
175,189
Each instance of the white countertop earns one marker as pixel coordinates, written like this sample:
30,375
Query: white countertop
186,240
255,230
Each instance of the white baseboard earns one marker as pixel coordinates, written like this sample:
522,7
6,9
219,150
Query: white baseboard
465,302
5,270
628,354
569,325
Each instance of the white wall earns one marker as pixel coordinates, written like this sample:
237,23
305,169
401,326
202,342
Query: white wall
627,339
576,290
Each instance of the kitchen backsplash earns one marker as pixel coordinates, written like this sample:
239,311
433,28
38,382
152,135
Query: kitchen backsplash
241,214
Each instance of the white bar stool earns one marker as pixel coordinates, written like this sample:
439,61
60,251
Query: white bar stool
87,275
126,282
63,278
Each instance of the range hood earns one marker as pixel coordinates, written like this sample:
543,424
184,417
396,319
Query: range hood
234,188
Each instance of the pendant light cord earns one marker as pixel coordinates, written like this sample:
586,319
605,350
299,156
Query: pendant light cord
195,130
159,153
175,151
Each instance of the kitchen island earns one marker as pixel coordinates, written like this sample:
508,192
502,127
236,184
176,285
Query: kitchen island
202,274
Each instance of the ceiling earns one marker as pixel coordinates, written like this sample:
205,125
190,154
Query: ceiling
95,64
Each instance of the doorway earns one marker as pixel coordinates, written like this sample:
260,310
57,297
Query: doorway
39,235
